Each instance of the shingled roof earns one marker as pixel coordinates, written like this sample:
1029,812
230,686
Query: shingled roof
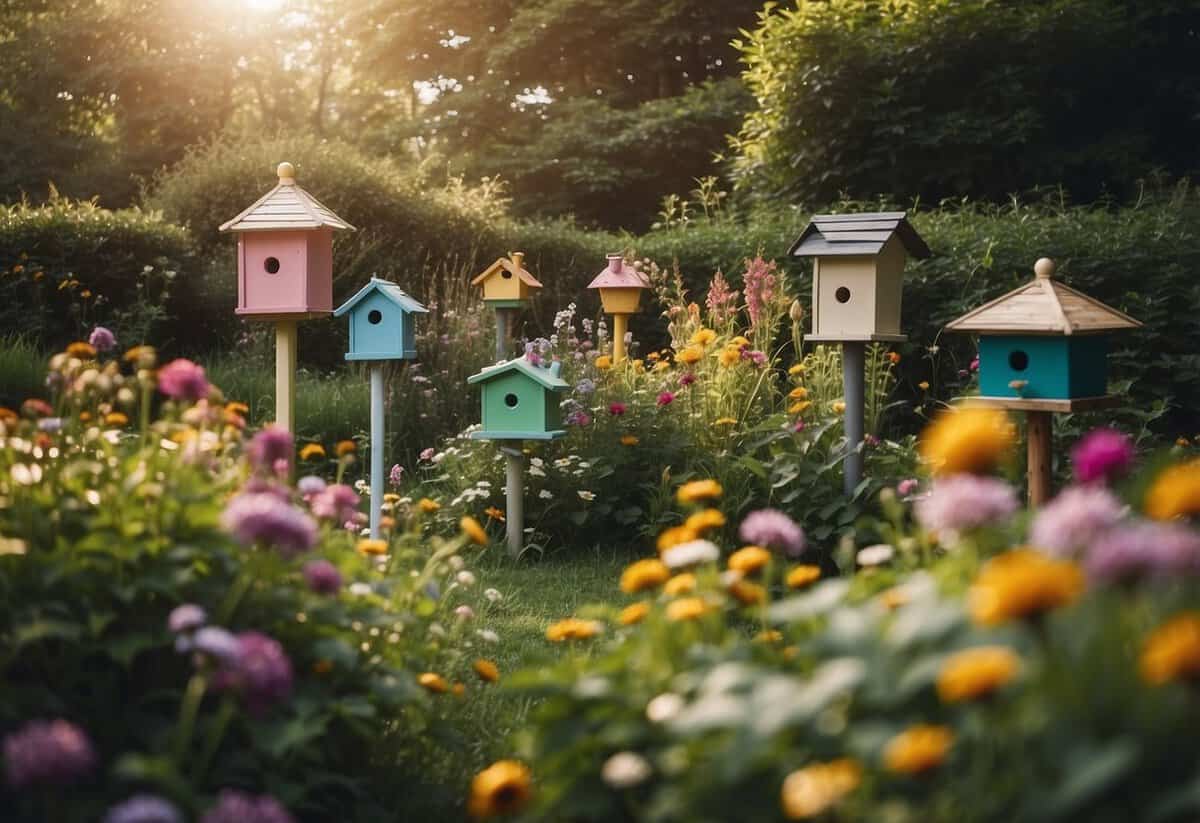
832,235
388,289
547,377
514,265
1043,306
286,207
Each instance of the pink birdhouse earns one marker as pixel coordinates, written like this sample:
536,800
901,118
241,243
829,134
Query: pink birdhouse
620,286
285,252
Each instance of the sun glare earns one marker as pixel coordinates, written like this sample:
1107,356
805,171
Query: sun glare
263,5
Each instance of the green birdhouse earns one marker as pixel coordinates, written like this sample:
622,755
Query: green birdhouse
520,401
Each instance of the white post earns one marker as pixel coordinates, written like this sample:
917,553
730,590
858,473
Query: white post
515,496
854,386
285,374
377,448
502,333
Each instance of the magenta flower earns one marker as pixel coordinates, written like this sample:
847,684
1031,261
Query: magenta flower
396,475
753,355
264,518
687,379
268,447
975,364
798,426
665,398
906,486
579,417
238,807
42,751
338,503
773,528
427,454
1072,520
261,672
1101,455
323,577
102,339
182,379
616,409
963,501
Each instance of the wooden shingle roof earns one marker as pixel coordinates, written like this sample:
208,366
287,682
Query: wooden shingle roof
286,207
513,264
1043,306
832,235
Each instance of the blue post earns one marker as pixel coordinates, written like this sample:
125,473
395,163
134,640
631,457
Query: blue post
377,446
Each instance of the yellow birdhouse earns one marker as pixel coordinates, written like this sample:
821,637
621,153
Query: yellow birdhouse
620,286
506,283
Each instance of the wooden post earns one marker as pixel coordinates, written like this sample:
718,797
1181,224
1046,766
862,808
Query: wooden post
1039,433
377,447
285,374
514,488
854,388
620,326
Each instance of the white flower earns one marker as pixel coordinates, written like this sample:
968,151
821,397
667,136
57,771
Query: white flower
625,770
464,612
537,461
545,494
690,554
664,707
455,562
562,462
537,472
493,595
875,555
484,484
488,635
437,630
584,494
465,578
438,458
360,589
583,464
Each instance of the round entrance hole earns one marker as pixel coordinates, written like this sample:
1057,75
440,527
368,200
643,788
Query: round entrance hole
842,295
506,274
511,400
271,264
374,317
1018,360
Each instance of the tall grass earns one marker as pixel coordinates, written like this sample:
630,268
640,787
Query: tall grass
22,371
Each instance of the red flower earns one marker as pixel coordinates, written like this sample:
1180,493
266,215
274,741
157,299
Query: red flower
616,409
665,398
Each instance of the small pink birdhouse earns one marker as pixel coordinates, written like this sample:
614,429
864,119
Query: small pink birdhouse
285,252
620,286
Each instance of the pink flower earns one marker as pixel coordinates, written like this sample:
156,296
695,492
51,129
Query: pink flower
1074,519
1101,455
906,486
963,501
759,280
264,518
665,398
102,339
182,379
798,426
322,577
771,527
721,301
337,502
975,364
427,454
268,447
687,379
616,409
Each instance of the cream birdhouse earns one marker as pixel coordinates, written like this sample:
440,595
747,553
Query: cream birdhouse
620,286
858,273
506,283
285,252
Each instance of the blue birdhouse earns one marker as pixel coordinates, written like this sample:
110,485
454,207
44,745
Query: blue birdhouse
1043,341
520,401
381,322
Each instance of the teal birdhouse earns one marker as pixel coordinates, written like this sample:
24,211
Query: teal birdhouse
520,401
1043,341
381,322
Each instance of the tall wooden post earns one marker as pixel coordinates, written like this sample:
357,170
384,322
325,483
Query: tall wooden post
378,439
620,327
853,418
1039,435
285,374
514,517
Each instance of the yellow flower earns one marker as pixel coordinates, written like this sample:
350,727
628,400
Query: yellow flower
1172,651
674,536
1022,583
698,490
391,497
502,788
494,513
458,689
633,613
687,608
433,682
838,407
923,385
428,506
345,447
703,337
749,559
725,421
918,749
603,362
975,673
968,440
572,628
769,636
747,593
637,364
893,598
729,356
801,407
796,369
142,355
813,790
368,547
739,341
234,407
487,671
82,350
690,355
1175,492
652,356
312,451
629,440
471,528
680,584
702,521
802,575
115,419
798,393
662,365
644,574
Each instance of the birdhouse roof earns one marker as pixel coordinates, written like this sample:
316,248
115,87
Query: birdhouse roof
547,378
836,235
617,275
284,208
508,265
1043,306
389,290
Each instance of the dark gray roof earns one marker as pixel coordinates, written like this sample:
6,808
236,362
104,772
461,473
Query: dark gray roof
831,235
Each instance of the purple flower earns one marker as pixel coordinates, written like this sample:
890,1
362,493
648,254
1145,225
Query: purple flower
323,577
396,475
687,379
42,751
585,387
186,618
264,518
665,398
579,418
338,503
906,486
144,808
270,446
310,485
238,807
427,454
50,424
754,356
1101,455
1070,522
260,672
964,501
1144,549
182,379
771,527
102,339
213,641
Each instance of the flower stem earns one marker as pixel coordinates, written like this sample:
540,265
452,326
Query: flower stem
212,741
188,710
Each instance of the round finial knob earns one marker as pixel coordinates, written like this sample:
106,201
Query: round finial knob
1044,268
286,172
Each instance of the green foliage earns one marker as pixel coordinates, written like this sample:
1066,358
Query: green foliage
863,98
